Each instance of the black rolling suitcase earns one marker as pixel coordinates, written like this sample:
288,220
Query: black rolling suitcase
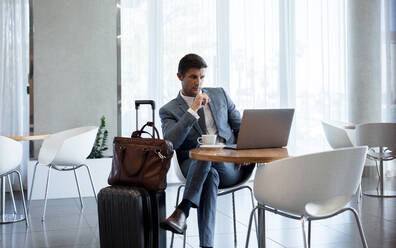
129,216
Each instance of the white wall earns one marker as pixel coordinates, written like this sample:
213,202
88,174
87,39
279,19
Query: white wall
75,64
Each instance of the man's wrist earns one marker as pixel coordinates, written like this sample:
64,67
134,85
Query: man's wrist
194,113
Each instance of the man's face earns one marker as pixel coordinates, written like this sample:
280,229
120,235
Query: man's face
192,81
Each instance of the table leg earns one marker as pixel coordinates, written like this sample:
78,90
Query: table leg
381,168
2,198
261,227
5,217
381,192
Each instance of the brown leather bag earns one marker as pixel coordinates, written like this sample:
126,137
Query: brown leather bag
142,162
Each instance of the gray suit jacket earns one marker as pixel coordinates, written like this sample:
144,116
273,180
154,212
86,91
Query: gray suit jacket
182,128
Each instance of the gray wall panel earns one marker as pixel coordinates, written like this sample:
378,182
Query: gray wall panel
75,64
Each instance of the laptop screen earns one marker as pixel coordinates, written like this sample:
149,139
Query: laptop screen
265,128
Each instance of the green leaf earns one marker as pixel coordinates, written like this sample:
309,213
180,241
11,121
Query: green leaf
100,140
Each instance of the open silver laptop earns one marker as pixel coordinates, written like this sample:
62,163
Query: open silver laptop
264,128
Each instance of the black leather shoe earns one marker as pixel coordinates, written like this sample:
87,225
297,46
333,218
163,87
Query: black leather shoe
175,223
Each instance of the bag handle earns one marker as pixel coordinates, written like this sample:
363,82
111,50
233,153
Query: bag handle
141,131
138,134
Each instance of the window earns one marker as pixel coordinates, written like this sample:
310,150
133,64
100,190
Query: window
266,54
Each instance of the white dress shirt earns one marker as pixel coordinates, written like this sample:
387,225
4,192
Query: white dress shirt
209,121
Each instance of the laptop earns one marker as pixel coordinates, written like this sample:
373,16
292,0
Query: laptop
264,128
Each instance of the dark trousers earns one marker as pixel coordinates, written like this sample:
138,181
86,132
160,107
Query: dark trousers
203,179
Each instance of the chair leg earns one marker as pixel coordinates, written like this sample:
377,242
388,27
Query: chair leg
46,192
309,233
172,239
184,239
177,202
92,185
303,232
178,194
11,193
234,219
78,187
255,217
261,227
250,226
31,188
362,237
23,198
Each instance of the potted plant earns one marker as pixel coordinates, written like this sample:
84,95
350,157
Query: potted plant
100,142
99,163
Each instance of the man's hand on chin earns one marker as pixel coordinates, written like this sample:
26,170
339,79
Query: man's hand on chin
200,100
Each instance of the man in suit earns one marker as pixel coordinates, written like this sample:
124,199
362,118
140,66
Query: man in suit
196,111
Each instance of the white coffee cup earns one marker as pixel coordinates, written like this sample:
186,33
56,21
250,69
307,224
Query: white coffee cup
207,139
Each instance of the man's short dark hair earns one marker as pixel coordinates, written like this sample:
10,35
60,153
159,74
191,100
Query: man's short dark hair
191,61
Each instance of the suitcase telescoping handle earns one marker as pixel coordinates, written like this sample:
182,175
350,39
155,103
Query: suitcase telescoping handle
144,102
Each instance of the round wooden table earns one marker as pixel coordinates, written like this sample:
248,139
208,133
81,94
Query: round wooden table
31,137
352,127
240,157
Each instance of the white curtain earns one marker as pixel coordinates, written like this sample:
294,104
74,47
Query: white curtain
389,60
14,69
266,54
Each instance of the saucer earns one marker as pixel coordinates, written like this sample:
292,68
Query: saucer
216,146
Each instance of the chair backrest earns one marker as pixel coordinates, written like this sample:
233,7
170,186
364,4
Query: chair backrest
336,136
10,154
376,134
291,183
69,147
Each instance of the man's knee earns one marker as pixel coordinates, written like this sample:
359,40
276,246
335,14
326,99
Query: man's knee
213,176
195,168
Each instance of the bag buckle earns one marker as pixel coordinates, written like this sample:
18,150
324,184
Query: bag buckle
162,157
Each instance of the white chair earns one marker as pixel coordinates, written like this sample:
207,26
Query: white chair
392,150
66,151
10,158
222,191
381,139
309,187
338,137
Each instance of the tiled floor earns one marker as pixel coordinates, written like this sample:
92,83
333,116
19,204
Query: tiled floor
67,226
